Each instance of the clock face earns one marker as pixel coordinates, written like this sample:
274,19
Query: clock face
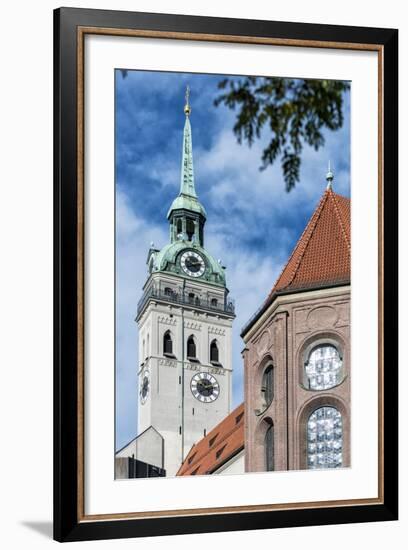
144,387
192,263
205,387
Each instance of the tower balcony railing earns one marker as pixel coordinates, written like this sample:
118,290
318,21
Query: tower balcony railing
185,298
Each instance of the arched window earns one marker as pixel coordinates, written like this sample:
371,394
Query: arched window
323,368
267,386
191,348
214,353
191,297
168,291
214,302
325,438
167,344
179,226
269,448
190,228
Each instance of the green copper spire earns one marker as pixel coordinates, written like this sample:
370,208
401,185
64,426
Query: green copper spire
187,168
187,218
187,199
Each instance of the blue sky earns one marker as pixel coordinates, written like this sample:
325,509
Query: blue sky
252,223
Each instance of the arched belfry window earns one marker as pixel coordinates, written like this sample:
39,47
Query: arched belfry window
167,343
323,368
269,448
179,228
191,348
325,438
267,385
214,352
190,228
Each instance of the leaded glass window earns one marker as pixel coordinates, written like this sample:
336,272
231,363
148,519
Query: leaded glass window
325,439
324,368
267,386
269,449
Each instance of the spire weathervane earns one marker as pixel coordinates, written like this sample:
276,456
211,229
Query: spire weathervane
329,177
187,108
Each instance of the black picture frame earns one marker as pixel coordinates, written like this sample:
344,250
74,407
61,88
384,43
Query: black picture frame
67,483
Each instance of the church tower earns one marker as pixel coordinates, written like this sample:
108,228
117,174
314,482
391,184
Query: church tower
185,329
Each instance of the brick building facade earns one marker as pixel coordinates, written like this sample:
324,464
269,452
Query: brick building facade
297,353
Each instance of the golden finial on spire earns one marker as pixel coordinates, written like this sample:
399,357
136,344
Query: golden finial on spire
187,108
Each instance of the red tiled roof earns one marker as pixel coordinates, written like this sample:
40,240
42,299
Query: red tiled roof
322,254
218,446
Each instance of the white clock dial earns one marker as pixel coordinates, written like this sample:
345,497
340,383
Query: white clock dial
144,386
192,263
205,387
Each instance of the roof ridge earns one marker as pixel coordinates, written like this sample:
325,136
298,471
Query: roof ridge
320,256
310,226
340,219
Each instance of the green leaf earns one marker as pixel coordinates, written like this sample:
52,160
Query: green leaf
293,111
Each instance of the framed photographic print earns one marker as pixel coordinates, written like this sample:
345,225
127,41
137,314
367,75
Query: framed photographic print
225,274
